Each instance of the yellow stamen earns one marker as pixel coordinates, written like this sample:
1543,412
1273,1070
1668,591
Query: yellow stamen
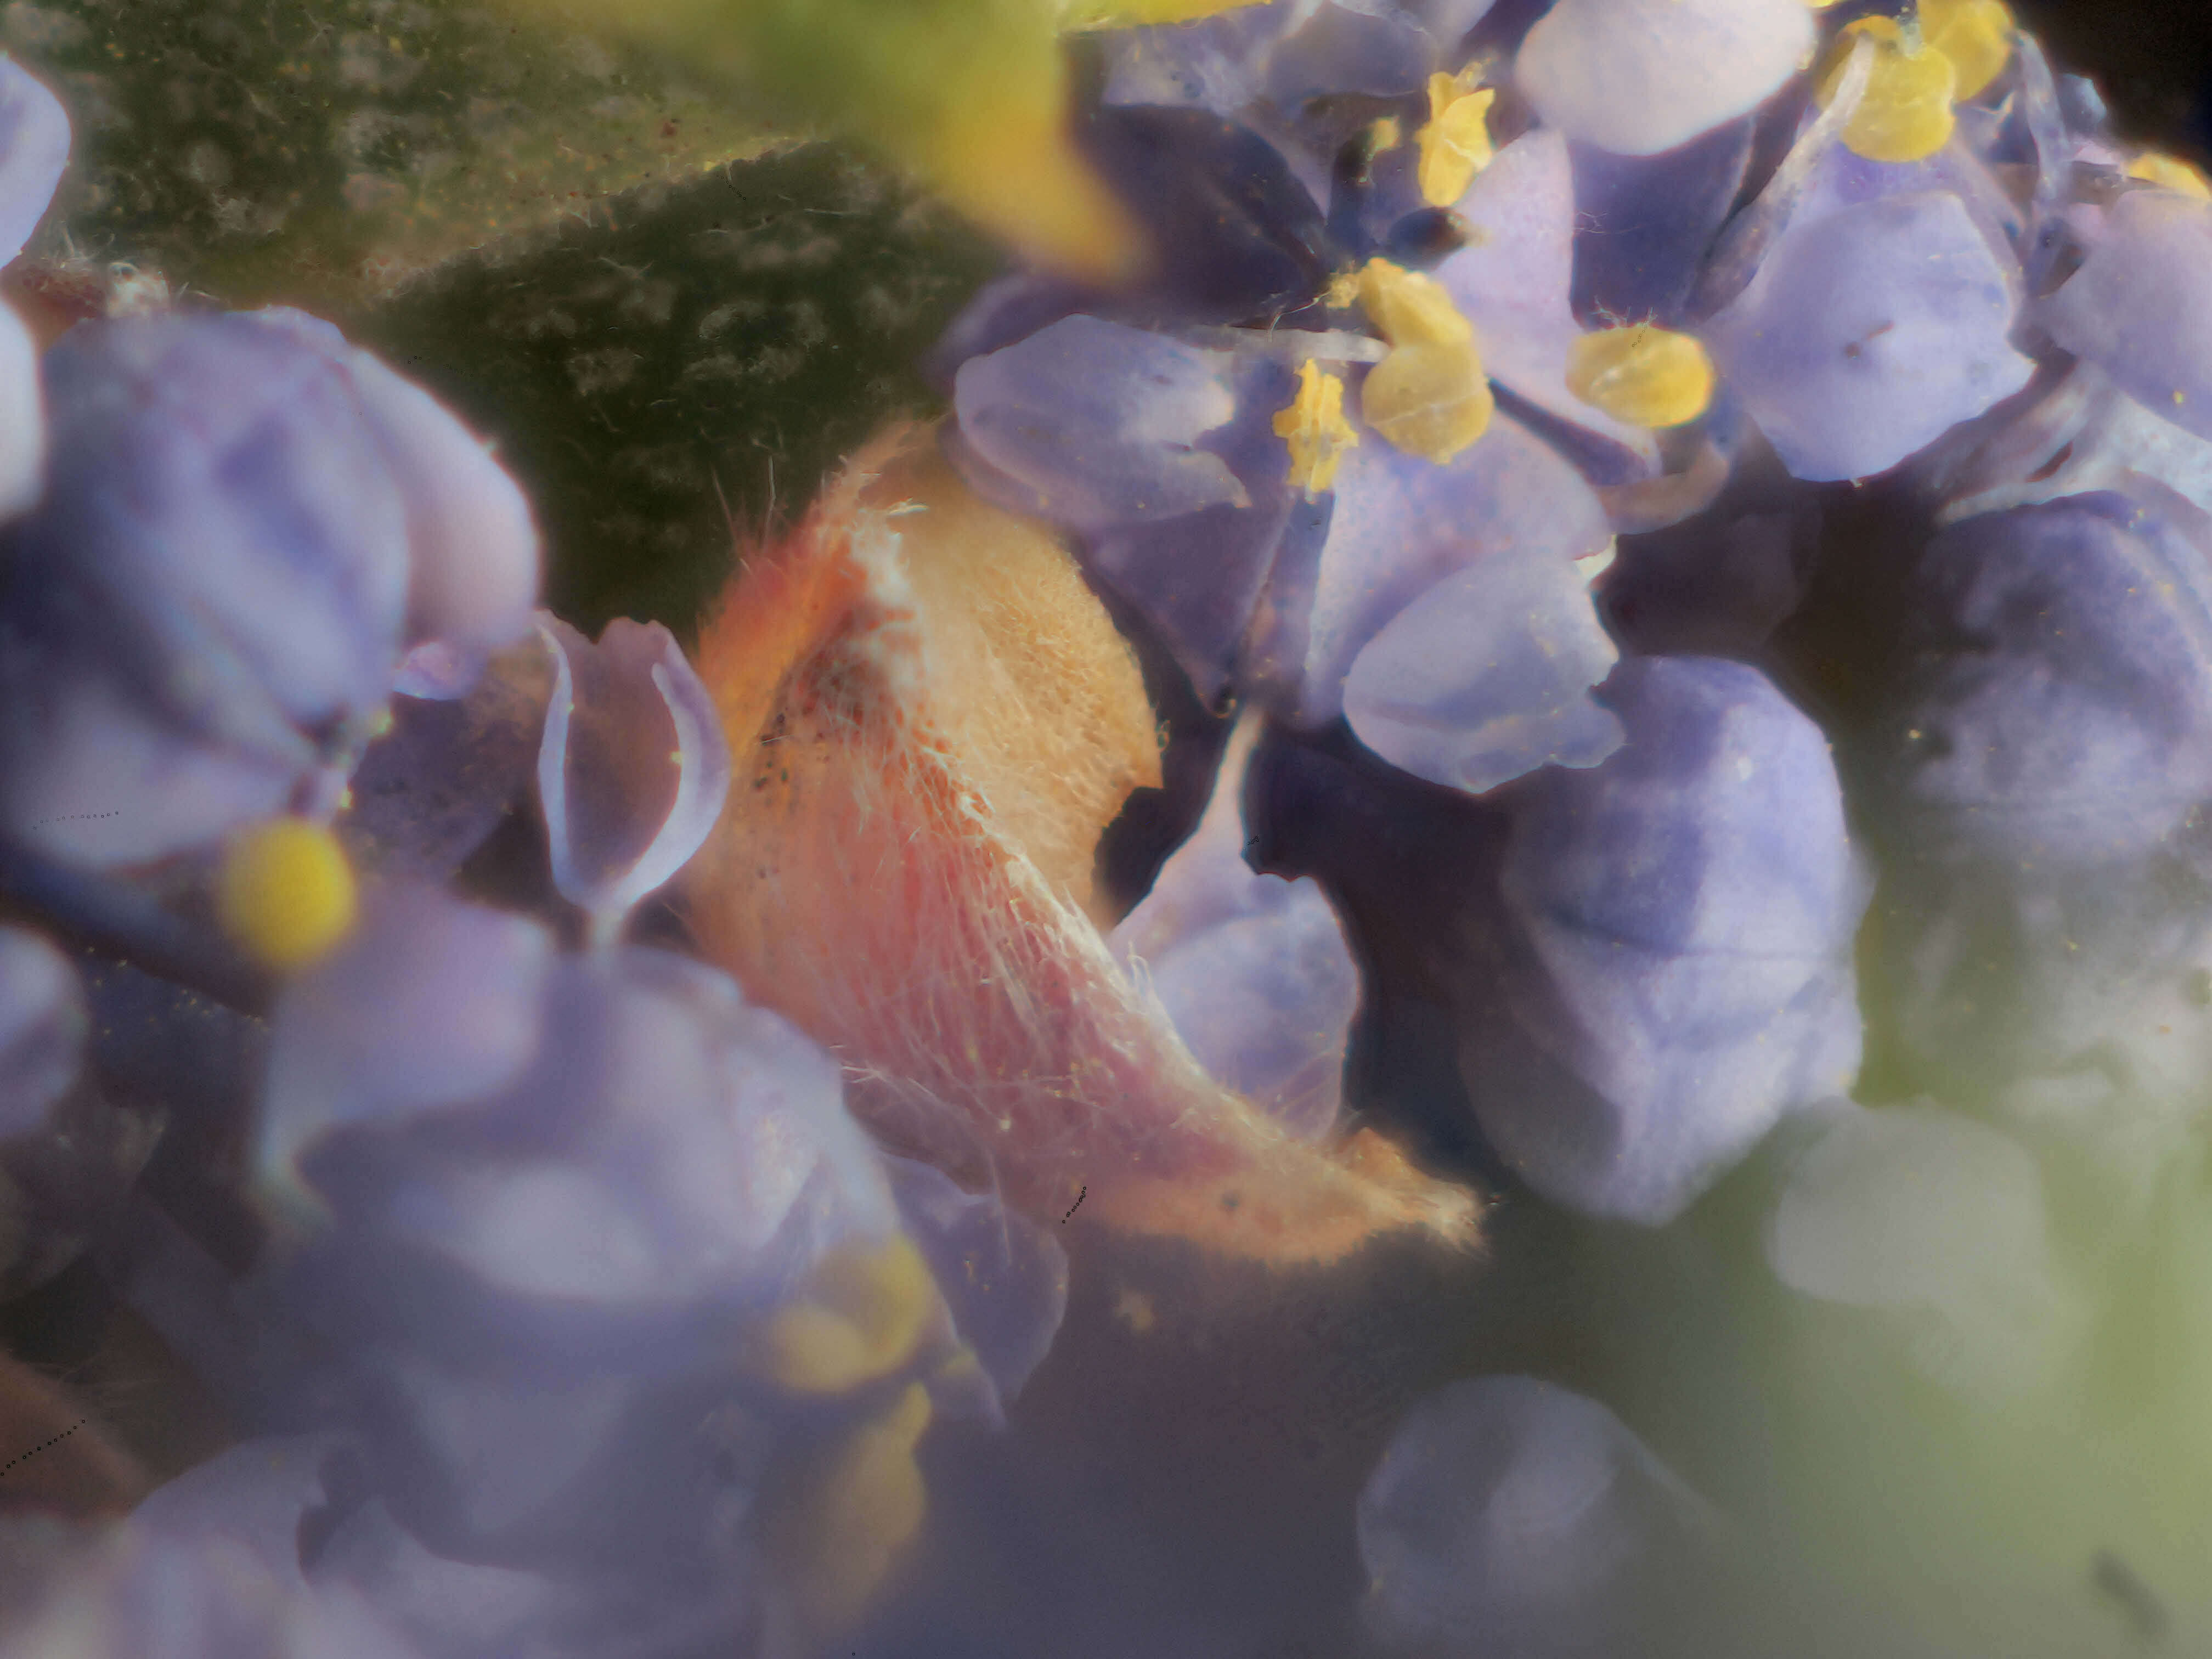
1976,35
1429,400
863,1315
844,1533
287,892
2171,172
1429,396
1645,376
1456,142
1905,114
1316,429
1410,308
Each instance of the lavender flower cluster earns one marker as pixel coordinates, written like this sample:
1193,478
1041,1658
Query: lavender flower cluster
1700,507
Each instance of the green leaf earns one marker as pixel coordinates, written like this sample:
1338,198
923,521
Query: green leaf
689,373
322,151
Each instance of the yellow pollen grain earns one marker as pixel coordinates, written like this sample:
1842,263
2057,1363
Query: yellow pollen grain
287,893
1315,427
1641,375
1456,142
1905,114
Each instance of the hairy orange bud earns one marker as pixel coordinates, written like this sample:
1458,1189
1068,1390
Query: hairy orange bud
932,719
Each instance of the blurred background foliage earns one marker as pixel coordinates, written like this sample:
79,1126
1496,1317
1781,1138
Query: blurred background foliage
672,316
669,318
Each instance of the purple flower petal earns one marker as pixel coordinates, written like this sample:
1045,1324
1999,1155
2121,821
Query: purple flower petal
2140,308
1402,525
34,144
1512,281
1640,76
1254,971
1868,332
633,767
1508,1505
1681,975
201,617
1099,423
473,557
1004,1275
1487,677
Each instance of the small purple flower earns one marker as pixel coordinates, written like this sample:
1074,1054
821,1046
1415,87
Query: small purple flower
2139,306
1677,969
201,617
1511,1507
1869,331
632,769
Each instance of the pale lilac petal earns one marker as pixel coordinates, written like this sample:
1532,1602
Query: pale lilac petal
473,554
1256,972
1402,525
1486,677
633,767
429,1002
1512,282
1640,76
1510,1506
34,143
1100,422
1004,1275
2140,308
1681,973
1869,332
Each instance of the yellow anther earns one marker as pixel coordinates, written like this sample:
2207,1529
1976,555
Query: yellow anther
1905,114
1456,142
1343,291
1976,35
2171,172
287,892
1429,396
849,1523
1429,399
1409,308
1315,427
1645,376
862,1318
1384,136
